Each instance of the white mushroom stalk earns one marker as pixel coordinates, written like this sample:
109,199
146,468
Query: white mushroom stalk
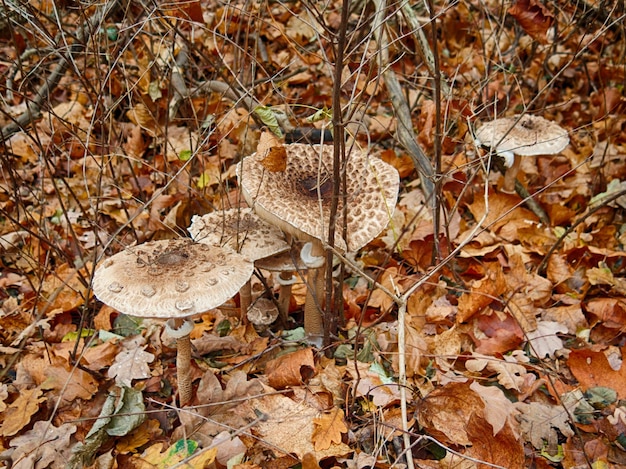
298,201
171,279
517,136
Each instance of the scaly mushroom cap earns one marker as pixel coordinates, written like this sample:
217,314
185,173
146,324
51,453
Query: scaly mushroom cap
298,199
170,278
531,135
241,230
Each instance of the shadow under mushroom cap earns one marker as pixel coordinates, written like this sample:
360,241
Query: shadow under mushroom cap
170,278
298,200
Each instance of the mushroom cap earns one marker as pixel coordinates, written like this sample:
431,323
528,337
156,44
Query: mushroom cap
525,135
170,278
241,230
298,200
288,261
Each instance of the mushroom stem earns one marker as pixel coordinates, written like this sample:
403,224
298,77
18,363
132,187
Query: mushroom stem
511,174
245,300
180,329
286,280
313,319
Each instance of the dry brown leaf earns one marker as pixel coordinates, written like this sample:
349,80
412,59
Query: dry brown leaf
503,450
289,427
593,369
45,446
271,152
18,413
328,429
292,369
498,409
482,293
539,423
533,16
149,430
446,411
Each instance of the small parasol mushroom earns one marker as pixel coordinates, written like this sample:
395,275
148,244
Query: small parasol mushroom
174,280
285,264
242,231
516,136
298,201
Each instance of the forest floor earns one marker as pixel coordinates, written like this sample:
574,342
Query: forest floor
120,121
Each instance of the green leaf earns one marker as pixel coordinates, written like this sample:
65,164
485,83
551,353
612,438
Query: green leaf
322,114
112,33
268,117
129,413
296,335
203,181
72,336
185,155
558,457
601,397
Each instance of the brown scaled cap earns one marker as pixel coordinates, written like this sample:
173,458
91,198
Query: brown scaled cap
170,278
289,199
241,230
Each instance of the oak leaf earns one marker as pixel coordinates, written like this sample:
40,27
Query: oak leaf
43,447
328,429
131,364
19,412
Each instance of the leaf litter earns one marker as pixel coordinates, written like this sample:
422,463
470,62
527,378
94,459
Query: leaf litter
514,349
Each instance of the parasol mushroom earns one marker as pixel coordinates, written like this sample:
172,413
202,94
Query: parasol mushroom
284,264
517,136
298,201
174,280
242,231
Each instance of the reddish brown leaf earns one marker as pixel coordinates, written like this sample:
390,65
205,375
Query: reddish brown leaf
533,16
292,369
593,369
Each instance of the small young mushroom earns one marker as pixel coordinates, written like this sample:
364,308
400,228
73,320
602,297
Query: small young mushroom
298,201
242,231
285,264
174,280
516,136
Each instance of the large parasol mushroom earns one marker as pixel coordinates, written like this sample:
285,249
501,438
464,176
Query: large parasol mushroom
174,280
298,201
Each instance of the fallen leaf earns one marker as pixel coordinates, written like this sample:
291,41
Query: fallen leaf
539,423
544,340
498,409
130,365
289,427
593,369
292,369
18,413
45,446
272,153
328,429
445,412
533,17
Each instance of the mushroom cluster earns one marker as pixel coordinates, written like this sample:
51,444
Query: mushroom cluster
298,201
517,136
173,280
